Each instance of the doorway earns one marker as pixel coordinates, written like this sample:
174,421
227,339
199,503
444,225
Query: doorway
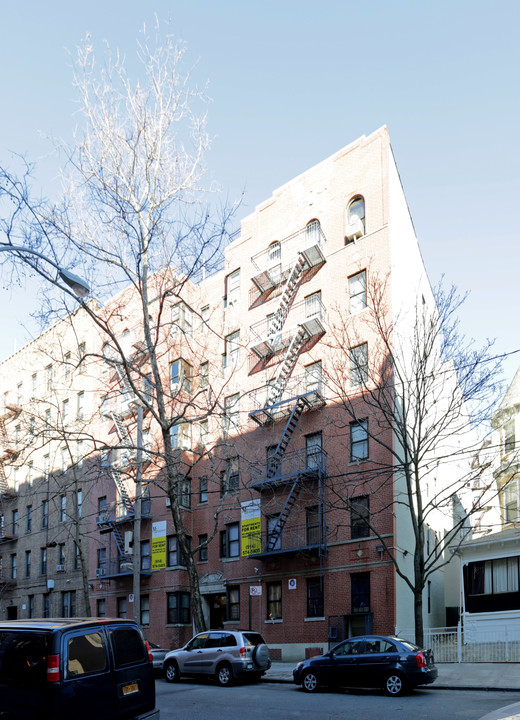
217,610
12,612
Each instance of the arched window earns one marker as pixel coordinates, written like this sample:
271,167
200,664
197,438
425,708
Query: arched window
312,233
355,218
274,253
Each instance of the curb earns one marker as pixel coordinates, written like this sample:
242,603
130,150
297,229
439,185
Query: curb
433,686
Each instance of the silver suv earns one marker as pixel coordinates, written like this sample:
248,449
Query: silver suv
225,655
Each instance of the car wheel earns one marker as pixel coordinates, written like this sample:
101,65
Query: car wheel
395,684
224,675
310,682
261,655
171,672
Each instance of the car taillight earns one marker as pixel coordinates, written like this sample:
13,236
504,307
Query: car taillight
243,653
53,668
421,660
150,658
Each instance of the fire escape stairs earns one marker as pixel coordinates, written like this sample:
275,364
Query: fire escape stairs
3,480
286,367
292,497
290,426
291,286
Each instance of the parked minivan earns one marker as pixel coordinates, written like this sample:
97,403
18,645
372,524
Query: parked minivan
74,669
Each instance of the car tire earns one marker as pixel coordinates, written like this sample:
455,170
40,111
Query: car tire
224,675
171,672
310,682
395,684
261,655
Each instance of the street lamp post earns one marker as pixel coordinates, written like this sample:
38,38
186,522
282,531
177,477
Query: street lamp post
78,286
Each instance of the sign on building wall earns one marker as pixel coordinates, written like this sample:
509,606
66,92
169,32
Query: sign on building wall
159,545
251,527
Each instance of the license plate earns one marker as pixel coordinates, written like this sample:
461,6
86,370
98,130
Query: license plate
130,688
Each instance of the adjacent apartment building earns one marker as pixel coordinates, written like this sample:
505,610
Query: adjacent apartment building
285,496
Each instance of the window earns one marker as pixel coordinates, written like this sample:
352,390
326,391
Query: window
313,451
14,522
27,563
274,467
102,507
274,253
145,609
61,554
148,388
175,556
203,433
34,383
28,518
146,558
230,478
233,288
313,376
204,319
67,370
101,607
68,604
492,577
46,466
230,418
230,541
312,525
359,440
357,291
63,508
43,561
30,606
312,233
203,489
510,500
180,435
48,378
509,437
65,412
19,394
80,409
184,492
274,536
233,603
359,517
180,376
32,427
121,607
46,611
182,319
79,503
313,305
232,350
315,597
204,374
82,351
77,557
203,552
274,601
47,428
101,561
64,458
13,567
358,359
45,514
356,216
360,592
178,612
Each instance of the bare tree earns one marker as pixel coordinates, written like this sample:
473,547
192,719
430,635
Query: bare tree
136,216
415,389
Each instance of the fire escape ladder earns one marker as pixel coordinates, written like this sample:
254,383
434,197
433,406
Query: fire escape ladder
292,422
118,537
274,536
280,315
120,484
127,388
286,367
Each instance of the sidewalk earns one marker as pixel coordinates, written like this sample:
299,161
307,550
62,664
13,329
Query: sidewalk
455,676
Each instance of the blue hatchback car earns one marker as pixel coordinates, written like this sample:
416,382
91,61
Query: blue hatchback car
371,661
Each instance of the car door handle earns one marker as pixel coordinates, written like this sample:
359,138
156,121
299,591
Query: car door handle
219,650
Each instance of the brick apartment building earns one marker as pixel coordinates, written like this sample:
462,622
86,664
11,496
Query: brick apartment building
275,481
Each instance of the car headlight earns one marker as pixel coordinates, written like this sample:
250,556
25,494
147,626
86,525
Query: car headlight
300,665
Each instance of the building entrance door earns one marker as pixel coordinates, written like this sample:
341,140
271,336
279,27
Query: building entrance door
217,610
12,612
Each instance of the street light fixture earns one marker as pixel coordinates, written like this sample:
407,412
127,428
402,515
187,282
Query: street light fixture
78,286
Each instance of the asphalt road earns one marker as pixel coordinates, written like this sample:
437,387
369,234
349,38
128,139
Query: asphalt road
207,701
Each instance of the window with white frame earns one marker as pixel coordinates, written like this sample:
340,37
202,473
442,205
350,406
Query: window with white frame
313,377
510,500
180,435
184,492
357,292
232,350
356,213
358,440
182,319
63,508
230,418
313,305
204,319
203,433
509,436
313,451
204,374
80,409
65,411
230,541
230,477
233,288
175,557
312,233
358,361
180,376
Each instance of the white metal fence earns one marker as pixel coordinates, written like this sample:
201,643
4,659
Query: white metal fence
497,644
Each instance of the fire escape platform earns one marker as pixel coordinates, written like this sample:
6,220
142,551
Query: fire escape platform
273,413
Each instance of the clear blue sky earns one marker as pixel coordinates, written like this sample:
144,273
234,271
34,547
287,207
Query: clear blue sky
293,81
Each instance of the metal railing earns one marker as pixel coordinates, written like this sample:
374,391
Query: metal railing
499,643
309,464
312,314
291,539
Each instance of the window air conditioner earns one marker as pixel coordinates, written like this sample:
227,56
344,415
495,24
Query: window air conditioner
355,229
60,568
100,571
